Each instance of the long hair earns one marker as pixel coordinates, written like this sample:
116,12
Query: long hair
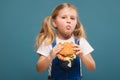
47,33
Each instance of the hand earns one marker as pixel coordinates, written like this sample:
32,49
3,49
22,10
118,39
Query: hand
56,50
77,49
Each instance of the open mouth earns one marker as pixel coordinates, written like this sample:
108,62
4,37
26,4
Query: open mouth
68,27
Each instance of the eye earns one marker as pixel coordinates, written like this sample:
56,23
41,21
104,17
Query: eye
73,18
63,17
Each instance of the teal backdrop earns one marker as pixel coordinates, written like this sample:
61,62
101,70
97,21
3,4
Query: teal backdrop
20,22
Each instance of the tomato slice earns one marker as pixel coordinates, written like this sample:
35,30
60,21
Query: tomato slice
62,57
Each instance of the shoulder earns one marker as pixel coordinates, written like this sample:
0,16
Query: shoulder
82,38
85,46
44,49
83,41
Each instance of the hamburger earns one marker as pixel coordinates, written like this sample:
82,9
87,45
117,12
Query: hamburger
67,53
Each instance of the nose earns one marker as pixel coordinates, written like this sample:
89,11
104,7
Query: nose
68,20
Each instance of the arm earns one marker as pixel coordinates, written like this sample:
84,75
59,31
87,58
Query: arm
88,61
44,61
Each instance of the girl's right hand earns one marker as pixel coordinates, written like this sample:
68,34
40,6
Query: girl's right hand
56,50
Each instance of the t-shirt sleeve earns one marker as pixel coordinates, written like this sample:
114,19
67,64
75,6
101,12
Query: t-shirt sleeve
85,46
44,50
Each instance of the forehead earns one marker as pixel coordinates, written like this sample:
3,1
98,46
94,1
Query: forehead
68,11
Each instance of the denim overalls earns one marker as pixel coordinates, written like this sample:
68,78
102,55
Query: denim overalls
60,70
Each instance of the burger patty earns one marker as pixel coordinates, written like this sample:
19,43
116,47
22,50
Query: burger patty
67,58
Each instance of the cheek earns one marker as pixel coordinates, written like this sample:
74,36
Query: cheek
61,24
74,25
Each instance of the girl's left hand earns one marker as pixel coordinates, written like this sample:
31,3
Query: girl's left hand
77,49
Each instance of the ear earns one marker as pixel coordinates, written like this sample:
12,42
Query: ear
54,23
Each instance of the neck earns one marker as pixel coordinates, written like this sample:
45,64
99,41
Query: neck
65,37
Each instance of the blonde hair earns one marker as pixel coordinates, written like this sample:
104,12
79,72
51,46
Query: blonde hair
47,33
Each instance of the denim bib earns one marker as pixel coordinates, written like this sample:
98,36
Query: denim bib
60,70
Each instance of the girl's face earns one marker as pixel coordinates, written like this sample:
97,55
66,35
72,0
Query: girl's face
65,22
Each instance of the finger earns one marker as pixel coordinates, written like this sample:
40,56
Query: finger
76,49
57,48
78,52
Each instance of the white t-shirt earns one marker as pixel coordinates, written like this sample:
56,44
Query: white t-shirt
84,45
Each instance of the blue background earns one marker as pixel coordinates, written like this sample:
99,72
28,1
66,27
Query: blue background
20,22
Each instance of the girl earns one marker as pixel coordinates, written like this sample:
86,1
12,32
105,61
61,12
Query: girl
63,25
